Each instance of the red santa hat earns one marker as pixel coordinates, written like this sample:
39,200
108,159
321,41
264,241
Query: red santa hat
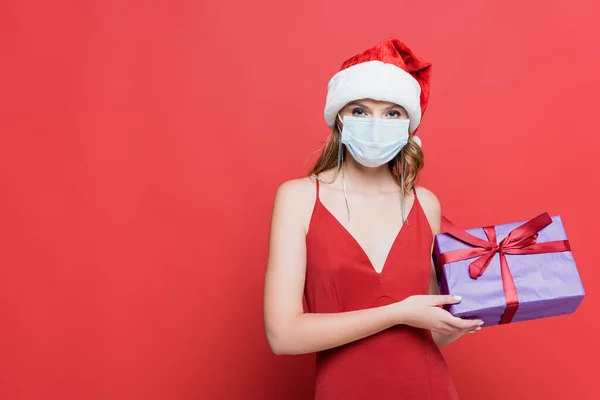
388,71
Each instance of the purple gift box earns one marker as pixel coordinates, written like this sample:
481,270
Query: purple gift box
547,284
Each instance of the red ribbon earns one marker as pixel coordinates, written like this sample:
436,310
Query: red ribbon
521,240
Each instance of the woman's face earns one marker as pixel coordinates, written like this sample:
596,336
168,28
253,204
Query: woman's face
368,108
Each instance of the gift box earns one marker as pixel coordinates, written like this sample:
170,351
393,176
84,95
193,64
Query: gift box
508,273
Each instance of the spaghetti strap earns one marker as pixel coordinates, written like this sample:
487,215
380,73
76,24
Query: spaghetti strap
317,182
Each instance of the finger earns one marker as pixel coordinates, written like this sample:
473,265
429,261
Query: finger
478,322
438,300
475,327
473,323
456,323
458,331
450,330
463,324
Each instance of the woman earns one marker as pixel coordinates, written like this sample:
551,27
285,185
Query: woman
355,237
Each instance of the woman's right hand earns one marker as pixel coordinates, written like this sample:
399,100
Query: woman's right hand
423,311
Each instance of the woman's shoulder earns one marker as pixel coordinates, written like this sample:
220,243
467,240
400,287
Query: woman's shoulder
427,197
296,188
431,206
296,198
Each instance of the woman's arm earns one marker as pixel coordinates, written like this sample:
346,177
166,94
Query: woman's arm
434,214
289,330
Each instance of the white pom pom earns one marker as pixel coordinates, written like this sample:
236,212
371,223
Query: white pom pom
417,140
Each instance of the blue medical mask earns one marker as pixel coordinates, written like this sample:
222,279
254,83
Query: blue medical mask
374,141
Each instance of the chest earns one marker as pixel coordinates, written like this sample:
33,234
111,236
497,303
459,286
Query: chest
373,223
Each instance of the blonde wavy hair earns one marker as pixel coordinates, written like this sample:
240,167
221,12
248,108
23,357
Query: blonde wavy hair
411,156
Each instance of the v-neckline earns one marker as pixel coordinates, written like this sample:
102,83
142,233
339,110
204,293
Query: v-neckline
360,247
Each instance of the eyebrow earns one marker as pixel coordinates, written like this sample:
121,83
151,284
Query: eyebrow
363,106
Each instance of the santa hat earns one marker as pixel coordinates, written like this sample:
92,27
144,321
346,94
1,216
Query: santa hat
388,71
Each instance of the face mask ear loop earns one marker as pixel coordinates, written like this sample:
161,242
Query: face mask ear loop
343,174
400,163
345,195
339,161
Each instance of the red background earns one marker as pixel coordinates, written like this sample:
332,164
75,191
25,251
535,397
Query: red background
142,143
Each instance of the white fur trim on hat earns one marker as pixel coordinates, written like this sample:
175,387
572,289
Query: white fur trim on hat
374,80
418,140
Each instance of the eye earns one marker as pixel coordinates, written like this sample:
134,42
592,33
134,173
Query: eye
358,112
395,114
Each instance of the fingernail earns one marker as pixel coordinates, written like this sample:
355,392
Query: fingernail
481,323
457,298
478,328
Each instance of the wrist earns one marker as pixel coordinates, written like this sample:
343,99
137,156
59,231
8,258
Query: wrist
398,313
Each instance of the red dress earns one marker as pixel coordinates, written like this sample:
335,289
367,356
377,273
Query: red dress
401,362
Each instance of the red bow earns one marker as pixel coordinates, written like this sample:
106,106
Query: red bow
521,240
